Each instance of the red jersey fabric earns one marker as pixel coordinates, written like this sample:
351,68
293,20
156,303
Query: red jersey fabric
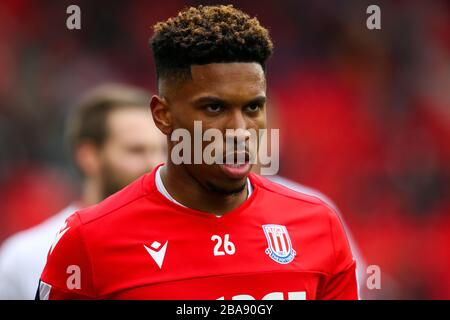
137,244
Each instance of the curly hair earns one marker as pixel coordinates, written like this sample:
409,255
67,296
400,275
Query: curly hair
208,34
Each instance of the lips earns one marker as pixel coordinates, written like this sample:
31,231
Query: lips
240,166
236,157
236,171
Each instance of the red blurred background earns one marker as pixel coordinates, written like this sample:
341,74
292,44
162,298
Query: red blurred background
364,115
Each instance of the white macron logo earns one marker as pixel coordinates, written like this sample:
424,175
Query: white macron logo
157,252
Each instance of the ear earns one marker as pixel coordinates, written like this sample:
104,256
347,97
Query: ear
87,158
161,114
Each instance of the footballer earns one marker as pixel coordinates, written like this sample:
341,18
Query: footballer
204,231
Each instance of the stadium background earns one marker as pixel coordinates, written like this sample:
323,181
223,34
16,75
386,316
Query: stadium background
364,115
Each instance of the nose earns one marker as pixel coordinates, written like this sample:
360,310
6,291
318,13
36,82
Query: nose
237,134
238,125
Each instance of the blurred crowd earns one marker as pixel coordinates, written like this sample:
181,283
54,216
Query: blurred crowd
364,115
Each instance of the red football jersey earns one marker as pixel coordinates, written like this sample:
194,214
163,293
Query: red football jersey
137,244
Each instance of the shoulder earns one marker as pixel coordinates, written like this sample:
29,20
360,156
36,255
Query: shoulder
322,209
289,190
301,188
286,192
122,201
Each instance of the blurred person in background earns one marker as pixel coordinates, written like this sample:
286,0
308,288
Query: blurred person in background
112,142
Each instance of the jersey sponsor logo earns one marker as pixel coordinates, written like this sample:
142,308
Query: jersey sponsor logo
295,295
280,247
157,252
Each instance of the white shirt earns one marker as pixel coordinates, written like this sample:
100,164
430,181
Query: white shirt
23,257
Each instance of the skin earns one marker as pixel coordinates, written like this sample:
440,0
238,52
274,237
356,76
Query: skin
222,96
133,147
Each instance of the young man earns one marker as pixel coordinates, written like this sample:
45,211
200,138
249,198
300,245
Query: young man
204,231
112,143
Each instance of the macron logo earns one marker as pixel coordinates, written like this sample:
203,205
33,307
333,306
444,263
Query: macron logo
157,252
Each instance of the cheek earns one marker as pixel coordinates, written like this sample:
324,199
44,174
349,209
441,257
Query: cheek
184,117
260,122
124,164
157,156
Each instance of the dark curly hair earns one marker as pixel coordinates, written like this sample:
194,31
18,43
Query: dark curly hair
208,34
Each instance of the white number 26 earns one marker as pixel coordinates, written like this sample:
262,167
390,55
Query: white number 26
228,246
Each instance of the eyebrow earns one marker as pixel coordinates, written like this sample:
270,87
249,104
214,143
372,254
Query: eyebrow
216,100
257,100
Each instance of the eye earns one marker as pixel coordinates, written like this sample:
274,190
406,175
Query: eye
136,149
253,107
213,108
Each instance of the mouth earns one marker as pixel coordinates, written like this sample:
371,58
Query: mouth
240,166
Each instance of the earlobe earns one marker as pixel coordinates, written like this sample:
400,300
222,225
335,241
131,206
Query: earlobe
161,114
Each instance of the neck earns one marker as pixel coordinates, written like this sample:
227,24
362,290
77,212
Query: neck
190,193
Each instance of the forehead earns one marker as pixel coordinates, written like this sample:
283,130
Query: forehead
131,123
226,80
219,72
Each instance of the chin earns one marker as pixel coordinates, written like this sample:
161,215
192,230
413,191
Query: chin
235,188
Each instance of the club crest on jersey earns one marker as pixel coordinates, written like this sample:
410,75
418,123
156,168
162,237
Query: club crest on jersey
280,247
